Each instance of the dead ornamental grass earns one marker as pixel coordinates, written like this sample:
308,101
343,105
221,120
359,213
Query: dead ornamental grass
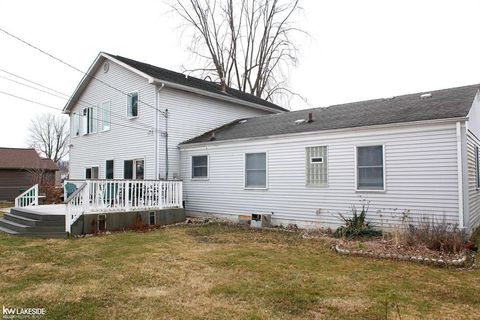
217,272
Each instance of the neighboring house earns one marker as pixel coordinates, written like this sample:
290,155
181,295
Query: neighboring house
20,169
118,130
410,157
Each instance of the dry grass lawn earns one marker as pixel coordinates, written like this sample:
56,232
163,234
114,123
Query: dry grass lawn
223,272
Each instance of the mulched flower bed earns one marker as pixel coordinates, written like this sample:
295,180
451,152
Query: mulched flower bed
388,249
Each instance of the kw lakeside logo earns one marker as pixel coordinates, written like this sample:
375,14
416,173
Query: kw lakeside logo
17,313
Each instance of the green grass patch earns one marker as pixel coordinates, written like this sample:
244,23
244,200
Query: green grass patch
219,271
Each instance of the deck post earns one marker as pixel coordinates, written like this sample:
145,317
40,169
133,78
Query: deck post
127,195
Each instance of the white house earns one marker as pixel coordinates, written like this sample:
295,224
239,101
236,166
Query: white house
410,157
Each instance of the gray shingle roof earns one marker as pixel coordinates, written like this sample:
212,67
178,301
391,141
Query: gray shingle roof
443,104
180,78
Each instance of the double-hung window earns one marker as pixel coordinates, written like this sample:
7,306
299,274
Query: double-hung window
256,170
132,105
199,167
105,110
370,168
109,169
89,120
75,125
316,166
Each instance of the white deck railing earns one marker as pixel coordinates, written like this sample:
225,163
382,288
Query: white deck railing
102,196
28,198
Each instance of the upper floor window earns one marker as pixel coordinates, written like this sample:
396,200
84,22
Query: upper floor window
105,116
316,166
89,120
199,166
256,170
370,168
75,125
132,105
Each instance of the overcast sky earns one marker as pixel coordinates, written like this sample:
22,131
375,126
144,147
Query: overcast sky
357,50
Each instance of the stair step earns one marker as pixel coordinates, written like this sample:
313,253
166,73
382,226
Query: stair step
8,231
21,220
32,214
18,227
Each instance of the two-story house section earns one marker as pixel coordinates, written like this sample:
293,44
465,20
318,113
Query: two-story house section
128,118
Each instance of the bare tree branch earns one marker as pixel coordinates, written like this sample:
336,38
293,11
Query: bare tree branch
246,44
49,135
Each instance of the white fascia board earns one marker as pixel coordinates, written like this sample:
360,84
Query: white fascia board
300,134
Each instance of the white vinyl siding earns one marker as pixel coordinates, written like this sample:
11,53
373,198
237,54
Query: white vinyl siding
132,104
106,116
473,145
316,166
256,170
421,177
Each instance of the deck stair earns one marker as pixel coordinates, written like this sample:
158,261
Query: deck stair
31,223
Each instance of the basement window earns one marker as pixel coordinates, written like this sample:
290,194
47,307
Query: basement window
152,219
102,222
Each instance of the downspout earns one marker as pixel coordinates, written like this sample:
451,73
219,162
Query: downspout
166,144
460,175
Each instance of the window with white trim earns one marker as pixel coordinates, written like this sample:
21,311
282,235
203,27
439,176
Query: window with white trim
316,166
370,173
132,104
200,167
105,109
75,125
89,120
134,169
256,170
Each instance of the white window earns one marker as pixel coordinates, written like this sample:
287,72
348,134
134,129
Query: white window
89,120
105,116
370,168
132,105
256,170
75,125
316,166
134,169
91,172
200,167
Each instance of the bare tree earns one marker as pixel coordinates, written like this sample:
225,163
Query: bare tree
244,44
49,135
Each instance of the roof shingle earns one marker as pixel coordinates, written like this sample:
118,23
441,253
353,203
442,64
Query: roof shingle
182,79
442,104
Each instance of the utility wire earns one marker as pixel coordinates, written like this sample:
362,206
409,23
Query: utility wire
60,93
55,108
75,68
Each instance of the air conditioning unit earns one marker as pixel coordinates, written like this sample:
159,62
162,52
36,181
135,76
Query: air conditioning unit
261,220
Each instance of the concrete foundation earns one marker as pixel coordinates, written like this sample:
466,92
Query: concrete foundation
117,221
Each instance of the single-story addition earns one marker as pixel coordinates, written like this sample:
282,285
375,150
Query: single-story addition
20,169
410,157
